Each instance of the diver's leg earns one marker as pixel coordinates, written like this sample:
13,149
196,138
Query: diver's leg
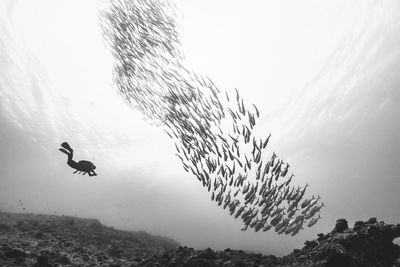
76,171
71,162
70,155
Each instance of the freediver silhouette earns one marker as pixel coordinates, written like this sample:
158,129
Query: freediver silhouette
81,166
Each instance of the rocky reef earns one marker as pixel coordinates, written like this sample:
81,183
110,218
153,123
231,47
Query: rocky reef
368,243
47,240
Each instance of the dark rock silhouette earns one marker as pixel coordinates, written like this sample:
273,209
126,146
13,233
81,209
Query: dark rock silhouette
48,240
341,225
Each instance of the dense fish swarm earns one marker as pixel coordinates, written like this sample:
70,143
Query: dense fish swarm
232,164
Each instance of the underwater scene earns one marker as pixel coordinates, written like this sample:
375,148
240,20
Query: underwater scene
199,133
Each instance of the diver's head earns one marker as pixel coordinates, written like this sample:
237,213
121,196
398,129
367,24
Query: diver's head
93,166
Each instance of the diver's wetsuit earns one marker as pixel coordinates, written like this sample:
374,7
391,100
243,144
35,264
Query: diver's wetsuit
72,163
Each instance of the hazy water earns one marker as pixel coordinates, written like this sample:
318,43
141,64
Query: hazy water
325,79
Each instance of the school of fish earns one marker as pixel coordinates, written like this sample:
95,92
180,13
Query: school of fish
212,130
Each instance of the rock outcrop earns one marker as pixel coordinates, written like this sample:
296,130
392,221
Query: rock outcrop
48,240
368,243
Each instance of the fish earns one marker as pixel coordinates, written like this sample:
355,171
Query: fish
288,230
232,210
258,226
286,192
250,120
270,182
282,230
246,188
266,142
303,191
306,202
289,180
246,214
261,202
258,157
280,186
239,211
220,201
257,112
298,219
278,169
248,163
282,225
275,167
254,223
291,213
296,230
237,94
278,210
226,203
313,202
264,210
267,227
313,221
267,166
273,158
306,210
285,171
168,134
150,75
231,181
276,220
234,139
279,201
317,208
292,206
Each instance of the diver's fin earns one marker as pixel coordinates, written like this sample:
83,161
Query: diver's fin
66,146
64,151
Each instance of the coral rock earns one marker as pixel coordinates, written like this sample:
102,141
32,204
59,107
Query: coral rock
341,225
